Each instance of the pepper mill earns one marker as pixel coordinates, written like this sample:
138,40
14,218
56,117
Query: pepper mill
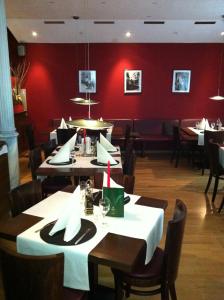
89,199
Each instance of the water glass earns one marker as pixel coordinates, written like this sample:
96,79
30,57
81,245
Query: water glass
104,207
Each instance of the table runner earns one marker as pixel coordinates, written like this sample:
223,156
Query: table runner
139,222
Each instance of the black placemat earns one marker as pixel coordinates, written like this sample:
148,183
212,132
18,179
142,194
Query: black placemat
96,163
98,195
58,237
59,147
61,163
113,151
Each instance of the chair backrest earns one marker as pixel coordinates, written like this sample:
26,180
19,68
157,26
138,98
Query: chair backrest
128,182
129,159
176,136
24,196
63,135
29,131
216,136
173,244
213,157
28,277
35,160
48,147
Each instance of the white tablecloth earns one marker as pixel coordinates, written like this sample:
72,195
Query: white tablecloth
138,222
221,156
200,134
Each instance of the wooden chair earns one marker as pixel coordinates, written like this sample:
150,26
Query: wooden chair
129,160
127,181
27,277
216,137
216,169
161,272
181,144
49,147
50,185
63,135
24,196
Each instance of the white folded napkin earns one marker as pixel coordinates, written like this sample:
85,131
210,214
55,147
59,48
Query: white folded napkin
207,126
202,124
63,155
106,144
72,142
63,124
70,217
113,184
101,119
70,118
103,156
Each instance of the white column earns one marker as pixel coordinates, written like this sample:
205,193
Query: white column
7,126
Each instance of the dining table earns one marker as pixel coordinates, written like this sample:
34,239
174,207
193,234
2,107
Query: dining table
112,248
80,165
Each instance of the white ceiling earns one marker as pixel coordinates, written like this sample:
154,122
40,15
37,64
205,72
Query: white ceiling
25,16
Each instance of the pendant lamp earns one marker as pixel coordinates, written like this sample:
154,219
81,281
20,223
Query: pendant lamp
218,97
88,123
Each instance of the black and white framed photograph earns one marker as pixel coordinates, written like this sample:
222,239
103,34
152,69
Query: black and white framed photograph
181,81
87,81
132,81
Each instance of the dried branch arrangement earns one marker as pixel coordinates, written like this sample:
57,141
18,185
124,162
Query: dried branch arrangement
20,72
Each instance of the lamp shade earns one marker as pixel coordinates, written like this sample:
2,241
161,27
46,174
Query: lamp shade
217,98
82,101
90,124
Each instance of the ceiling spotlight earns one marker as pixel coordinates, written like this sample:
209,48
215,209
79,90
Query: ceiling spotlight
222,33
128,34
34,33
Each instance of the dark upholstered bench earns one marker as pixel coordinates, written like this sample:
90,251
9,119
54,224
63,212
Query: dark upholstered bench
153,133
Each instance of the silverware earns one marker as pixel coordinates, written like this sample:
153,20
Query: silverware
82,236
44,226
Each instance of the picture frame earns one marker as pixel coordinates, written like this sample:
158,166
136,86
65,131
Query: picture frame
132,81
87,81
181,81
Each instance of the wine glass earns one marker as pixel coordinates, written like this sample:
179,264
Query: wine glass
104,207
213,125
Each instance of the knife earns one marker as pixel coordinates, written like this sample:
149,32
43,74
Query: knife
82,236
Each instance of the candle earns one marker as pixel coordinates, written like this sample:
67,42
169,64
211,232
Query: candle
84,133
108,174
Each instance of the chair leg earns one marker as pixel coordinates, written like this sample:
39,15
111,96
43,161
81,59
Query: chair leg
221,206
209,182
173,292
118,288
177,158
164,292
215,188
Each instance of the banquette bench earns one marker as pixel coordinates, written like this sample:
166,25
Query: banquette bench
148,134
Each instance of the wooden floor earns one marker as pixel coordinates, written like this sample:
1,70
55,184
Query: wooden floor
201,272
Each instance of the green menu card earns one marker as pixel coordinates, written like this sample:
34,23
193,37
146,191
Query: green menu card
116,198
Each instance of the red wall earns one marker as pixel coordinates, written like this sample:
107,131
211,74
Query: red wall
53,79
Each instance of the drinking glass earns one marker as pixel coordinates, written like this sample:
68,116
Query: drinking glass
212,125
83,186
104,207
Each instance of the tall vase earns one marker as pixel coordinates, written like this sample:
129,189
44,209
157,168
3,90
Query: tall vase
18,108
